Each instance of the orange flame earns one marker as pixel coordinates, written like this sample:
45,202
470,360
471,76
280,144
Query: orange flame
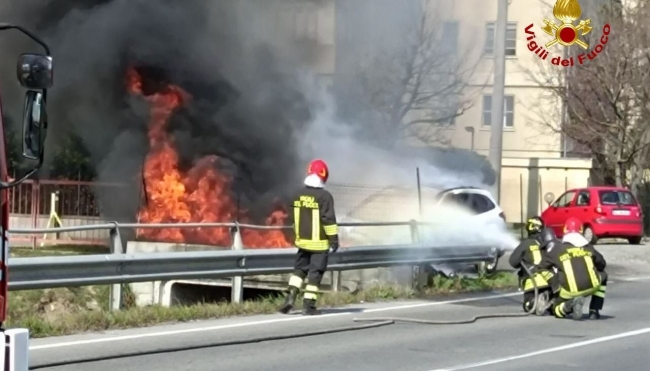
201,194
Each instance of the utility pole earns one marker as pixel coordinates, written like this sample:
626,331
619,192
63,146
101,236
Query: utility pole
498,91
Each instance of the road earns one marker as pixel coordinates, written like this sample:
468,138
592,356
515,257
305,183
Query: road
617,341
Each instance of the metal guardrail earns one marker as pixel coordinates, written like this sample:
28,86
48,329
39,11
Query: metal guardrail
116,225
118,267
81,270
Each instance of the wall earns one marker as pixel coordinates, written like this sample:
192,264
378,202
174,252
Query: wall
17,221
525,182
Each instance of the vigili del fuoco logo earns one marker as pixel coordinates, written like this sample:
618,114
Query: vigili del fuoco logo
567,34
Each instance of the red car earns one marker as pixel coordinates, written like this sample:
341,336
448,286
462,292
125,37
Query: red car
609,212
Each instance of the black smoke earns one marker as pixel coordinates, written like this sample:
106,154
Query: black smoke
245,107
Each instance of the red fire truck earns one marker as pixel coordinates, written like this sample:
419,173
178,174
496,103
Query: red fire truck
35,74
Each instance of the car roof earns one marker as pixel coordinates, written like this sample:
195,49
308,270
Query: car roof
458,188
472,189
601,188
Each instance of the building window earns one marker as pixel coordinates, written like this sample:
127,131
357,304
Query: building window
305,23
511,39
449,37
508,111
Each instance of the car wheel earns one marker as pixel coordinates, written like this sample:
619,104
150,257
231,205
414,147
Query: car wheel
589,235
635,240
489,267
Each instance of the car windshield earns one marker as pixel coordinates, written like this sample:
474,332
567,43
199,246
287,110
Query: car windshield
616,197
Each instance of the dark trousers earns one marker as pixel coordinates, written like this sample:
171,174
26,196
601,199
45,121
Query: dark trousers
560,309
311,265
598,298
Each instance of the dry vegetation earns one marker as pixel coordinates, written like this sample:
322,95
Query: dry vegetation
63,311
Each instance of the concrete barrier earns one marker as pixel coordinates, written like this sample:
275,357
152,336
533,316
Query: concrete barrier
172,292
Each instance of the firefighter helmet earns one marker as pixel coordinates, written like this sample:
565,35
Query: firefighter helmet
534,225
572,225
319,168
547,238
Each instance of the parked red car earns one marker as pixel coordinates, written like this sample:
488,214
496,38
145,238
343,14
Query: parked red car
611,212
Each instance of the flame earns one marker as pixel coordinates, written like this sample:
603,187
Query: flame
567,11
201,194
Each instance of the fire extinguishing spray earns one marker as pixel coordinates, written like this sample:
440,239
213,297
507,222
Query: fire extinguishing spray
34,73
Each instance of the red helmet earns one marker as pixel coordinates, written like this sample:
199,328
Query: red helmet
319,167
572,225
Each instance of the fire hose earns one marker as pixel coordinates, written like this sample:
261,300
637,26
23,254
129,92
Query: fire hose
374,323
392,320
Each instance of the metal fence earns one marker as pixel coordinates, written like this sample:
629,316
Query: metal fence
75,198
77,205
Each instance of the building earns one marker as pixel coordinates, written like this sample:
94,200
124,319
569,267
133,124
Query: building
306,26
362,25
342,32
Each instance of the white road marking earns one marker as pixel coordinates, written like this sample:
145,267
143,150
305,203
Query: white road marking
550,350
270,321
633,279
264,322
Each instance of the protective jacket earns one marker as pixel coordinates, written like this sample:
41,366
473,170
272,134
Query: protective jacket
314,219
530,253
527,252
577,263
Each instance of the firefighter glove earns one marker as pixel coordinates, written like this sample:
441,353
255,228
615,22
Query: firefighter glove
334,246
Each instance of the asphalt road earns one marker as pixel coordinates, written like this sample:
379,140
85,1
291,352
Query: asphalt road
618,341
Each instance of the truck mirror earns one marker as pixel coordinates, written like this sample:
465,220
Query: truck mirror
35,71
34,125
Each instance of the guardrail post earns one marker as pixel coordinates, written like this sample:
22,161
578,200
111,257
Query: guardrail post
415,232
237,292
336,281
419,278
115,302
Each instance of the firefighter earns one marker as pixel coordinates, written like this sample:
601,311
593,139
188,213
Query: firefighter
573,235
528,249
530,253
580,273
316,233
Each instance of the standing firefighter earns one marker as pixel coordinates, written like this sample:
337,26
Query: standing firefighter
316,235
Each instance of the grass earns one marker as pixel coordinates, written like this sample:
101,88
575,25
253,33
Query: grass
58,250
63,311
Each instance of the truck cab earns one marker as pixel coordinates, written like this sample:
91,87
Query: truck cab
35,74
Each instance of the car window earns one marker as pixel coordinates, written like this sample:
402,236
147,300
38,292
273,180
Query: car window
616,197
584,199
457,200
565,199
481,204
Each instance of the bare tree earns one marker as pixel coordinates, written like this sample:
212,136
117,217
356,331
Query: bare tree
412,92
606,93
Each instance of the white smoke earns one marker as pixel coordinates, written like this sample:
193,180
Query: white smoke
354,162
393,196
454,225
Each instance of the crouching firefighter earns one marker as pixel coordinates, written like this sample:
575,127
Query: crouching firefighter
580,273
530,253
316,233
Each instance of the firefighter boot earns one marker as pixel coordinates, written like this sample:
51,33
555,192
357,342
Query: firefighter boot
594,314
543,303
309,307
288,302
577,308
